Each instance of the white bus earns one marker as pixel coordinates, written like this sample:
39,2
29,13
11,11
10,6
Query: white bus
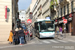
44,28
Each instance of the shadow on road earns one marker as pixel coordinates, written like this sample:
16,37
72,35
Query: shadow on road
45,38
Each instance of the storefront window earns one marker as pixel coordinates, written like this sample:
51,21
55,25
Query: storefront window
72,6
67,8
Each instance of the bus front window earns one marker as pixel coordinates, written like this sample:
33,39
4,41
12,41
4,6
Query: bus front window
43,27
50,27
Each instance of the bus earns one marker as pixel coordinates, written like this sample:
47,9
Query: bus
44,28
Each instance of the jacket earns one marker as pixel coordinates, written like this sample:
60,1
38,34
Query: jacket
11,37
21,33
16,35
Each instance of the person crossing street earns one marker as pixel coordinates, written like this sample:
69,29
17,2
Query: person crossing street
26,35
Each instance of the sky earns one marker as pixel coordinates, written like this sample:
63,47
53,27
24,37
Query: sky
23,4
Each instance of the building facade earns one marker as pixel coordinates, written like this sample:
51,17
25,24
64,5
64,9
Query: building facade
41,10
6,13
27,15
22,15
65,10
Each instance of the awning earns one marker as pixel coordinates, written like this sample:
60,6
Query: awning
61,21
55,22
70,19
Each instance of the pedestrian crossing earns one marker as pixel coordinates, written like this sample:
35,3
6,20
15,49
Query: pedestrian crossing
51,41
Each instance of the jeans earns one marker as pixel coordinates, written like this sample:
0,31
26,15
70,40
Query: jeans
21,40
57,32
26,37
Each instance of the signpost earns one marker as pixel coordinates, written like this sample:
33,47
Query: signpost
29,21
65,21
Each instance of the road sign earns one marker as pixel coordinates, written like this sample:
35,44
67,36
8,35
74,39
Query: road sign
64,20
29,21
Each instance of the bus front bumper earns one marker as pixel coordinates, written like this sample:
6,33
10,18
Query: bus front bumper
45,35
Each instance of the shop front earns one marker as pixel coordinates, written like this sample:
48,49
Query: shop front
70,25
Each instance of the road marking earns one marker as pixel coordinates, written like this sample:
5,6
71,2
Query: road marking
54,41
71,40
62,41
44,41
32,42
11,46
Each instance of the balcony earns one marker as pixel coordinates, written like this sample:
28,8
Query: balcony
63,2
53,5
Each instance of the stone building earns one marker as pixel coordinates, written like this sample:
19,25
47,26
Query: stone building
8,9
65,9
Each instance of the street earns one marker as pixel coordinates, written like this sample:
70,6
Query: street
44,44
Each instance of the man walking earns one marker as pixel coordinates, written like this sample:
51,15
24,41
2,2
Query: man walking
57,30
21,36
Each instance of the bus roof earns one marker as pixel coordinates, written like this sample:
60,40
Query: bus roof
38,20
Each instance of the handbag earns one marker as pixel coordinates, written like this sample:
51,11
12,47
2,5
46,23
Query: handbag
8,40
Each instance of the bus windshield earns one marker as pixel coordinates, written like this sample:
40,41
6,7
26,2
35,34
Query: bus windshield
46,26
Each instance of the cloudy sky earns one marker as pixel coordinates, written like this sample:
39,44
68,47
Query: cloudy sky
23,4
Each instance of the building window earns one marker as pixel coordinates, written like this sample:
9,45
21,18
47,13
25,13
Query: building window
67,8
58,14
64,10
61,12
45,11
72,6
45,3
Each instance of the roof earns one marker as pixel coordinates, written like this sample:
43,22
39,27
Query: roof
38,20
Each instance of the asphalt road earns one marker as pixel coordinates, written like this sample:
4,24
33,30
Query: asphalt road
43,44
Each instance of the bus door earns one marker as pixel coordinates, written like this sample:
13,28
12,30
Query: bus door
37,29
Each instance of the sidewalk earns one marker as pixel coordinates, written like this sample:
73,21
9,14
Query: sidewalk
66,36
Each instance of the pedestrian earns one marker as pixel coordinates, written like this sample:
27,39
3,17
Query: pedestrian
21,36
16,37
10,39
31,34
26,35
57,30
60,29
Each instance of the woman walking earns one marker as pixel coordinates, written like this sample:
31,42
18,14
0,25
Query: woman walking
16,37
57,30
60,29
10,39
26,35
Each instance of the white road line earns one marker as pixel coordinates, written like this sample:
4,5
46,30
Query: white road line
31,42
54,41
10,46
44,41
71,40
62,41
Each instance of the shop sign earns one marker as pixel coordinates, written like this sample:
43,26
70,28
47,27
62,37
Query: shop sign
61,21
63,17
70,19
29,21
5,12
70,15
65,21
55,22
